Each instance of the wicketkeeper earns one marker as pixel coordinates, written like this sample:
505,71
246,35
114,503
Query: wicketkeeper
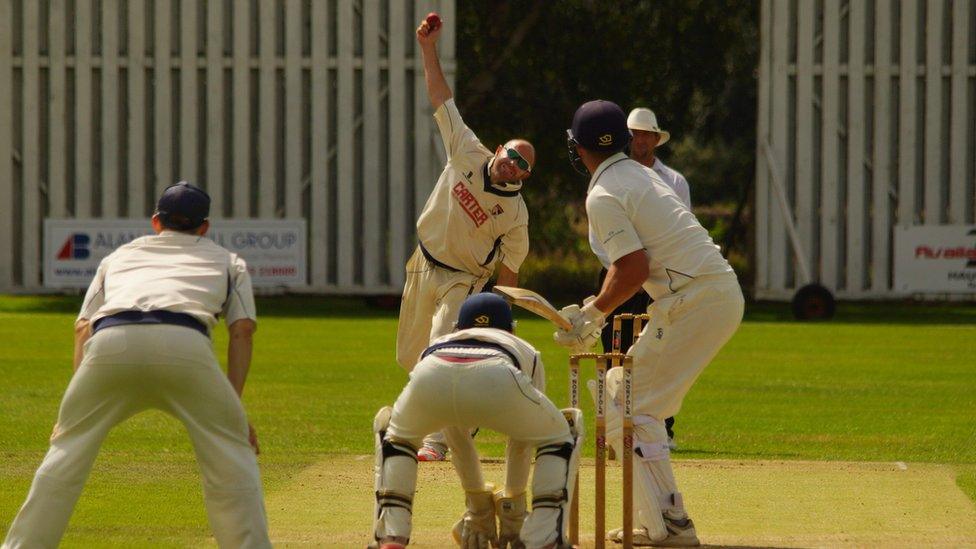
481,375
651,240
474,220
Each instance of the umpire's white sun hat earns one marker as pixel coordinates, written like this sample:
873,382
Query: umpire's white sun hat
644,119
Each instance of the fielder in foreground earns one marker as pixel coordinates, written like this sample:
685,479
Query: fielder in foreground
474,220
142,341
481,375
651,240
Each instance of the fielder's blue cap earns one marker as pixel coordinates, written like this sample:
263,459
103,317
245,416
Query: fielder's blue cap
183,206
600,126
485,310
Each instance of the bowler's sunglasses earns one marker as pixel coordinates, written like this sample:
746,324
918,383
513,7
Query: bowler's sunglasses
520,160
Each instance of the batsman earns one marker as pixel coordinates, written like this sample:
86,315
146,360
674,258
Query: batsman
649,239
481,375
474,219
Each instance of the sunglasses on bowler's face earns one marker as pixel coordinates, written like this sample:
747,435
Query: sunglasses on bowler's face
520,160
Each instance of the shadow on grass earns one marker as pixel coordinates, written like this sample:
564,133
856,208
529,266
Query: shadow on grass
902,312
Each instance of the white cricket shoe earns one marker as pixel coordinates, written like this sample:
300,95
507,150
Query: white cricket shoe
681,533
429,452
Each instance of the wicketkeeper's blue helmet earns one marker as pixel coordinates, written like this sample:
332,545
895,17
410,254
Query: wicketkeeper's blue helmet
485,310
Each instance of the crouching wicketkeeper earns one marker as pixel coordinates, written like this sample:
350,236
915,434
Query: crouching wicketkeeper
480,376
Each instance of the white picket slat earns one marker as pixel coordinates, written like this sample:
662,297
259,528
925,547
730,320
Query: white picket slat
319,169
933,182
6,146
346,153
266,109
57,180
830,147
960,112
215,108
762,133
31,152
241,111
83,110
372,224
907,96
881,154
163,98
294,141
189,117
806,17
779,126
856,233
401,228
110,139
136,116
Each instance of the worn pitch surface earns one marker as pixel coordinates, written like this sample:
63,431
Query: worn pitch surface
734,503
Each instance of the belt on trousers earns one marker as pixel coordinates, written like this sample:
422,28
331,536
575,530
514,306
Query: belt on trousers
472,343
150,317
430,258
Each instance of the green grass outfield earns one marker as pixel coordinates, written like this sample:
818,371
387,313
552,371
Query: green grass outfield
880,384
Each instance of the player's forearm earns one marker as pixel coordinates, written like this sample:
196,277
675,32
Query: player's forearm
239,350
624,278
437,89
507,277
82,333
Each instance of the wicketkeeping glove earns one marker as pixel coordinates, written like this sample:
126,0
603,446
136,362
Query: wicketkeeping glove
511,514
476,529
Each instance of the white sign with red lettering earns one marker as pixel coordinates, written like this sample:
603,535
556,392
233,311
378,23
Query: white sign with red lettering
938,259
274,249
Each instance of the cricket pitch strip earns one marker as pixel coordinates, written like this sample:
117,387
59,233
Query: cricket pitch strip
735,503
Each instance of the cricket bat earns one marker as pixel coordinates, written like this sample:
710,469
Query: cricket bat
531,301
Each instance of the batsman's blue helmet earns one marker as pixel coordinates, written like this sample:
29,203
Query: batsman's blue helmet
600,126
485,310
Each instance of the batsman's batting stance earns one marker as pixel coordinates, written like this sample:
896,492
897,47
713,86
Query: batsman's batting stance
474,220
651,240
481,375
142,341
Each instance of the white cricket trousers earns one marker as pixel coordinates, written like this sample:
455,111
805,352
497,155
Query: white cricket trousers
687,329
488,393
432,299
128,369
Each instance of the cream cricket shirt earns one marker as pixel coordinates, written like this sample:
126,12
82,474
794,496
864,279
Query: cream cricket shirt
467,223
530,360
630,208
174,272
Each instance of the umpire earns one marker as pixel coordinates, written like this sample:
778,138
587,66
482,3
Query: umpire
142,341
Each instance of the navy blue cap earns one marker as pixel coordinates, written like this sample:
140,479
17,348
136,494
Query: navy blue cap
485,310
183,206
600,126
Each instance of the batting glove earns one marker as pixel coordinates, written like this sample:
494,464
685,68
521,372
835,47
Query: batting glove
587,321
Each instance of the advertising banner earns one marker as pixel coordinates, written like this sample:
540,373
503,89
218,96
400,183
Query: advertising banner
274,249
937,259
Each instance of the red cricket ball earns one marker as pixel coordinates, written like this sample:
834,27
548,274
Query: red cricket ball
433,21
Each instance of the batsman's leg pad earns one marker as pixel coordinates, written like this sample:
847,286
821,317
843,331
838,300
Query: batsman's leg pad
553,485
658,494
511,512
395,472
476,529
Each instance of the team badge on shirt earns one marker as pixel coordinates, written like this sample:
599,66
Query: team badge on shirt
497,210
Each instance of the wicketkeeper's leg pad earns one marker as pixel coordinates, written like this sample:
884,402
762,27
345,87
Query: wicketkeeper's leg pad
553,485
395,472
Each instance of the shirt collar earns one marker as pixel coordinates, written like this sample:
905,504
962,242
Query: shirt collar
612,159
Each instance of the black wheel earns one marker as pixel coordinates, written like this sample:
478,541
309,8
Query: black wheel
813,302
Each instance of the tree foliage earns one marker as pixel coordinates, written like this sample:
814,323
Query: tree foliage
524,67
